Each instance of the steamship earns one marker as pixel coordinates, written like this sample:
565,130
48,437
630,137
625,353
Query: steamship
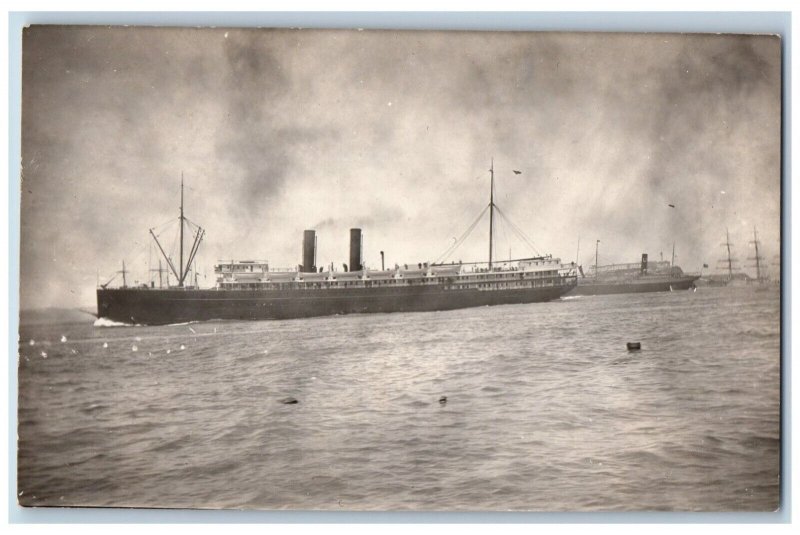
661,276
252,290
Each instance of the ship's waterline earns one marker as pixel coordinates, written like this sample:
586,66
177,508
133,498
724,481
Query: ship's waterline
158,307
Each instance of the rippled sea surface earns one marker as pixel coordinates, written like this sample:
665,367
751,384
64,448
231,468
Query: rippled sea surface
546,409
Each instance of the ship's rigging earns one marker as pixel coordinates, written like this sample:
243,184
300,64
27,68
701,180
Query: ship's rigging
493,209
197,236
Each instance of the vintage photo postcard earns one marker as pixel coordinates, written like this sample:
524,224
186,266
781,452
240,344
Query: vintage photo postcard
399,270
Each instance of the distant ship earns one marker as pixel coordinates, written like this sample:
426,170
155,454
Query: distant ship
644,276
762,279
251,290
727,272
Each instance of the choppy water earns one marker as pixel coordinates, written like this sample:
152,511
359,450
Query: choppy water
546,410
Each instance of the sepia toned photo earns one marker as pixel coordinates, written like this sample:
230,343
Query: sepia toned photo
365,270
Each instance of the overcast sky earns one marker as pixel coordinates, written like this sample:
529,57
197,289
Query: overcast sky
276,131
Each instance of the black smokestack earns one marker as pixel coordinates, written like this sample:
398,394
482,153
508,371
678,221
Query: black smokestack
644,264
309,251
355,249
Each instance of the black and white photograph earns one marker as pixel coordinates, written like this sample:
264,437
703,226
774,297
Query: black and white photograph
399,270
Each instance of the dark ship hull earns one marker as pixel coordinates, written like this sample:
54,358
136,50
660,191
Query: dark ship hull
634,286
159,307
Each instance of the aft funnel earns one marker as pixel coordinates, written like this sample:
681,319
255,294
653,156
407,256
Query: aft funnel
355,249
309,251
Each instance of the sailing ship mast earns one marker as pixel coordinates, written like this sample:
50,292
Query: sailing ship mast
727,244
757,258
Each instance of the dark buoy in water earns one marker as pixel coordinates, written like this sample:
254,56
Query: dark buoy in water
289,401
442,400
634,346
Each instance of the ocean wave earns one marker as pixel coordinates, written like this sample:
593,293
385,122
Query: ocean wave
172,445
105,322
534,378
570,297
767,332
94,407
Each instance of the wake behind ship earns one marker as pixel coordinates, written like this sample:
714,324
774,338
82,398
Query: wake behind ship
250,290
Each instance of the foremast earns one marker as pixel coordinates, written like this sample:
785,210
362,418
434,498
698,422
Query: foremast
183,268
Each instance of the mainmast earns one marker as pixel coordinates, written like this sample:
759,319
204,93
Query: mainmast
492,207
181,275
491,213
